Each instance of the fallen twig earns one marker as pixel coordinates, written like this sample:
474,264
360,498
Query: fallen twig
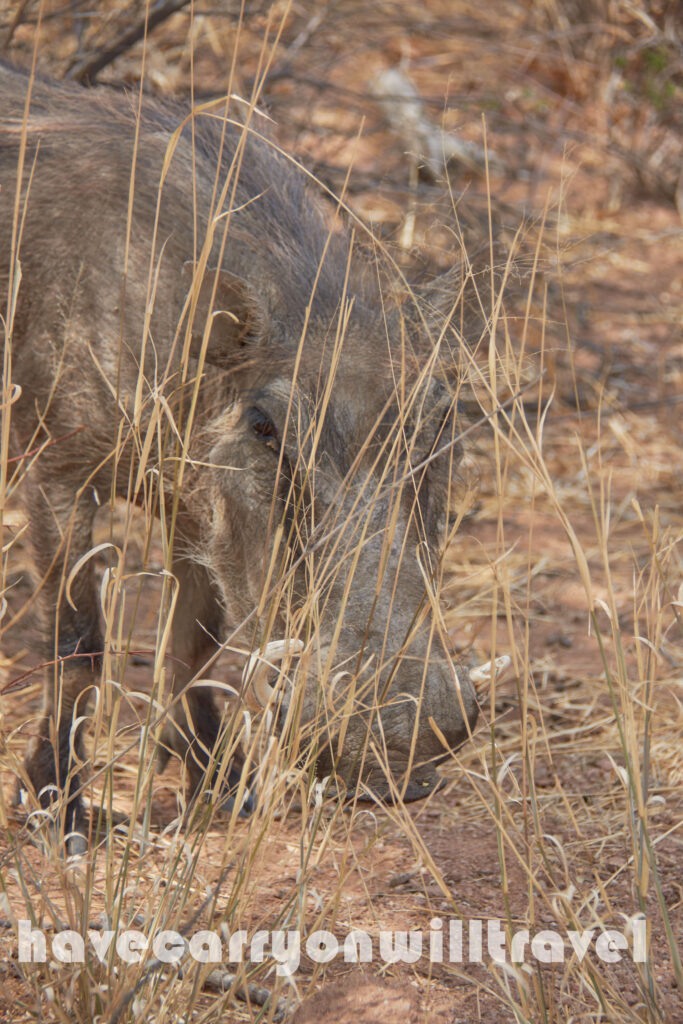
221,981
87,70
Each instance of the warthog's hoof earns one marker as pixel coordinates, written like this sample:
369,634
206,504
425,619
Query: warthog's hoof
46,822
76,844
226,803
222,795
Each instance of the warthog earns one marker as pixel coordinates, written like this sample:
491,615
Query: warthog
190,328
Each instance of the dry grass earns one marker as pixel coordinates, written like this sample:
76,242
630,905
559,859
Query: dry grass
564,811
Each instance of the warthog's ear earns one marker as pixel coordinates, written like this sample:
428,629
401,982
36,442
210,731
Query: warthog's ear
460,300
231,304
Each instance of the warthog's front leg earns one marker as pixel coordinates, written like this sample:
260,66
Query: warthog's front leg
61,532
193,726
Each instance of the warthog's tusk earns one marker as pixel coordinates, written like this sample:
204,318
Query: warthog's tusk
254,675
483,673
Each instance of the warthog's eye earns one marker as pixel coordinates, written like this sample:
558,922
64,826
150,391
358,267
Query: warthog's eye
263,427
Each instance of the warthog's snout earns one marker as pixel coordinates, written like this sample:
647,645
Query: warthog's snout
388,734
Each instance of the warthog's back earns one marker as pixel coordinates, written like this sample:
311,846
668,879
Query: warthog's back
116,204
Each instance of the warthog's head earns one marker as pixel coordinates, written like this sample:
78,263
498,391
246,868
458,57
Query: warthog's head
329,506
